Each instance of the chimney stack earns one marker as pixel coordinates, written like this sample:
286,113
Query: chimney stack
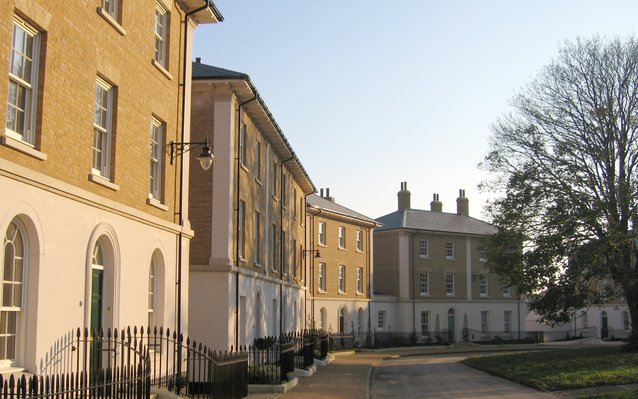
462,204
198,60
321,193
404,197
436,205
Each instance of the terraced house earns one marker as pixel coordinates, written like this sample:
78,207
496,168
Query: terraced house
246,274
91,226
340,266
432,279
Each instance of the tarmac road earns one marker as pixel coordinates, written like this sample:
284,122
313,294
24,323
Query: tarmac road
442,376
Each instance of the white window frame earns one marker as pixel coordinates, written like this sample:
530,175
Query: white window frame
482,254
161,35
103,128
257,237
381,320
359,240
424,249
342,279
507,322
449,250
258,160
158,130
243,147
424,283
111,7
274,248
241,237
425,323
483,285
507,290
342,237
322,277
450,284
30,85
17,310
359,280
321,227
626,320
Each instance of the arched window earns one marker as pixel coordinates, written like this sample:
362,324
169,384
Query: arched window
12,308
626,321
151,296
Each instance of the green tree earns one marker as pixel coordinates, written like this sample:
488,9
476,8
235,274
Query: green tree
565,162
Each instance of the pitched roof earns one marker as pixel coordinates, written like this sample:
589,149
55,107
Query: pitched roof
319,202
255,106
418,219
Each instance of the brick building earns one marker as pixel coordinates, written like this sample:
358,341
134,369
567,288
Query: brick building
340,266
88,215
432,278
246,274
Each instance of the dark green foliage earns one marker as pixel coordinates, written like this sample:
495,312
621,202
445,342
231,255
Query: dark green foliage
566,163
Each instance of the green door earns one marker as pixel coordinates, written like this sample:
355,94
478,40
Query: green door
97,285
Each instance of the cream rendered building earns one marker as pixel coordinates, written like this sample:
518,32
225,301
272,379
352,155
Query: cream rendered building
87,213
340,265
432,278
246,274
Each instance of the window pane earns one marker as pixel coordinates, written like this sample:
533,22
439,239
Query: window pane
7,293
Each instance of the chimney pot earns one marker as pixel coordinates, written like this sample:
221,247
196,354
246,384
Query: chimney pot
198,60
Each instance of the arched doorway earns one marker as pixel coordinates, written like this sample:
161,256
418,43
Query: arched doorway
450,325
258,306
342,320
604,328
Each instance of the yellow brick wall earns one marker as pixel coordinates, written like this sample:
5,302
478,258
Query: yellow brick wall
78,44
333,257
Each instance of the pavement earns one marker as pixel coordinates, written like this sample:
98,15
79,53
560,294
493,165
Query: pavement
350,374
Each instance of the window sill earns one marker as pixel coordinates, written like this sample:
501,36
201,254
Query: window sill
274,198
257,264
258,181
450,258
360,294
507,296
342,248
245,168
322,291
242,259
163,70
103,181
359,251
483,296
341,293
22,147
482,260
155,203
322,245
425,295
108,18
425,257
450,295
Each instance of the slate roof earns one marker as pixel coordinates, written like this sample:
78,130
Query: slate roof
417,219
203,71
317,201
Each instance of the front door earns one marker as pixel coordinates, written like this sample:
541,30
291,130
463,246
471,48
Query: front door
97,286
604,329
450,325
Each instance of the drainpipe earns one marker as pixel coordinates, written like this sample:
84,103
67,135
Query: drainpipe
281,244
237,199
180,235
413,283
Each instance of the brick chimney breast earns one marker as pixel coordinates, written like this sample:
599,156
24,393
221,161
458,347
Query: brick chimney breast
462,204
403,197
436,205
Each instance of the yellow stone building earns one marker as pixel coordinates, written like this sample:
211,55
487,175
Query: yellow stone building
340,263
93,93
246,274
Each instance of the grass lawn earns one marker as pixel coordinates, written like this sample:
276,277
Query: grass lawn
554,370
633,394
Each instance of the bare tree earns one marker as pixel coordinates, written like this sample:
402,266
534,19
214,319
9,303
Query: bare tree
566,163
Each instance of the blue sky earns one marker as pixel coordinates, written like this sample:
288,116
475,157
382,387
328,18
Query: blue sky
372,93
